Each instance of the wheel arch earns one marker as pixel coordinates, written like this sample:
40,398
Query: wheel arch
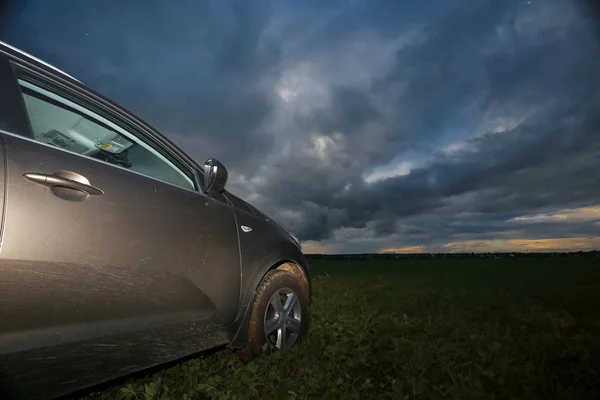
293,262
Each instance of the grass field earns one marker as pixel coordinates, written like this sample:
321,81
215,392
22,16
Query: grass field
420,329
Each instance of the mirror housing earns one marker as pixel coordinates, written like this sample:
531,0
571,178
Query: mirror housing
215,176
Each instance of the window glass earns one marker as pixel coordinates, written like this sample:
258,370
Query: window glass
59,122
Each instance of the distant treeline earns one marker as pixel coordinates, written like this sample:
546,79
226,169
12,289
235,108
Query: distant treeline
387,256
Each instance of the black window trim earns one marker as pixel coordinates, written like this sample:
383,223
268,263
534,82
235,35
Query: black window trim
111,112
12,112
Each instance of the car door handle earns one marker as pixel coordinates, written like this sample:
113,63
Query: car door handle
63,179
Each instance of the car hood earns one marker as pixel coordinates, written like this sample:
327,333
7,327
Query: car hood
261,214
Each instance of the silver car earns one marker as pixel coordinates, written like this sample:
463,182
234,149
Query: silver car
118,251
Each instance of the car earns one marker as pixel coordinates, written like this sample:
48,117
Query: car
118,251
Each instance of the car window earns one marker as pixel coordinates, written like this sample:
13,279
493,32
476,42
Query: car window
62,123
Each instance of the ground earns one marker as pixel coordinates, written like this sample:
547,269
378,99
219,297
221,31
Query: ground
419,329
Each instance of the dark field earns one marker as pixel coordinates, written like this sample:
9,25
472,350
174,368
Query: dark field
420,329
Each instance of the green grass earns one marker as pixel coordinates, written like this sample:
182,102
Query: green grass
420,329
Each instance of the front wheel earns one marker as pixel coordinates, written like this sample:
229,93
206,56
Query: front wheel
279,314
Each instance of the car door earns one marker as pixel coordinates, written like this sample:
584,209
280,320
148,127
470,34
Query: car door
105,232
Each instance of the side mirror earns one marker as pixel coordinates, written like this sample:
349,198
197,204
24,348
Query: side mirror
215,176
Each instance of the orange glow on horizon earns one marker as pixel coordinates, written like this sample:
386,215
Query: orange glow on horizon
314,248
504,245
528,245
404,250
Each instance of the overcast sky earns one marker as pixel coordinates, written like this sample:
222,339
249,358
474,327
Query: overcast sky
362,126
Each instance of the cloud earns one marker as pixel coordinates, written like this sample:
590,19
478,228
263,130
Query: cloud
392,170
530,148
363,125
583,214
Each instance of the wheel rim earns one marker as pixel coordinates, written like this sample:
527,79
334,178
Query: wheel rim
283,318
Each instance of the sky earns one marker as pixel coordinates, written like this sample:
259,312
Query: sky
361,125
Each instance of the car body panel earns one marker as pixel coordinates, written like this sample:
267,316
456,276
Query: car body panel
47,373
169,249
261,250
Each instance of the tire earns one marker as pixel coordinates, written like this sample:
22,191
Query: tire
291,323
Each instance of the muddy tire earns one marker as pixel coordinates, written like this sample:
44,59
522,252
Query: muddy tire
279,314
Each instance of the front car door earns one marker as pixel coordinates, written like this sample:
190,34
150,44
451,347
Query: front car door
110,253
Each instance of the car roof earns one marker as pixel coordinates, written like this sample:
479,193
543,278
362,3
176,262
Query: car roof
29,56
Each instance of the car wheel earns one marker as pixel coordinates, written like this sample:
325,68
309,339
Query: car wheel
279,314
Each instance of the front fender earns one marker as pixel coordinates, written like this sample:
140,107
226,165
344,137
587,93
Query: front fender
287,252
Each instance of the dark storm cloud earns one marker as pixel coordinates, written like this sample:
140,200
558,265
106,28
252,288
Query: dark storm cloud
475,112
508,65
548,166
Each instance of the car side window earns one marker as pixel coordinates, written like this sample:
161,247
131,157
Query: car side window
60,122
